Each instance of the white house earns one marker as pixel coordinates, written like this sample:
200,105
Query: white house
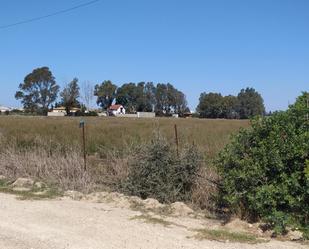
116,110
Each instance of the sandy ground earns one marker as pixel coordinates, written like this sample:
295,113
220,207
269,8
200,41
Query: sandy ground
63,224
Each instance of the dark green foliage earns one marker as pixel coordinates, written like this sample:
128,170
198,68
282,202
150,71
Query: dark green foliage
229,107
265,169
157,172
247,104
250,103
150,97
169,100
38,91
164,99
137,97
130,96
211,105
106,93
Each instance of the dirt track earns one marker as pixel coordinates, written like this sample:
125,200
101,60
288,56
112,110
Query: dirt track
64,224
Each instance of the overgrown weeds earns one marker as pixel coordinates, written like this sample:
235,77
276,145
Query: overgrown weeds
150,169
48,150
54,166
156,171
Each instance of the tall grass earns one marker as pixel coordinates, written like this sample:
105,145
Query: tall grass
110,133
55,167
49,149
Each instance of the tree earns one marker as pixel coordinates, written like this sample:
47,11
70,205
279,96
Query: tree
150,97
106,93
141,102
145,97
250,103
181,104
161,100
38,91
128,95
210,105
229,107
70,95
169,100
138,97
247,104
164,99
87,93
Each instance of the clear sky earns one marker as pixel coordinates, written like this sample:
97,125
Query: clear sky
197,45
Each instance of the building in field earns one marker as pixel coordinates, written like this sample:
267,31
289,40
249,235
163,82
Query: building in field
146,114
188,115
60,111
115,110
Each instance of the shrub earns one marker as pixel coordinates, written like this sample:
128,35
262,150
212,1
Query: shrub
157,172
264,170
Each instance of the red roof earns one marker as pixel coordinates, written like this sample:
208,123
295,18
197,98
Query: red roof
115,107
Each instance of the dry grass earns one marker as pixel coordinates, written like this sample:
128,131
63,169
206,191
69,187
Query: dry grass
205,188
104,134
59,168
226,236
49,149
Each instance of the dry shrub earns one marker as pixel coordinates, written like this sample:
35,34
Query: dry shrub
205,189
156,171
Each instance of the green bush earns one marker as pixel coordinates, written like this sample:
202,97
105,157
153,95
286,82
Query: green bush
265,171
157,172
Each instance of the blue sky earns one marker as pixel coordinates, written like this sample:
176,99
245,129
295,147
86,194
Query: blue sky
197,45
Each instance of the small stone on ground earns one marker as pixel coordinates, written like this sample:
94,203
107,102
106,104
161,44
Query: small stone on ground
23,183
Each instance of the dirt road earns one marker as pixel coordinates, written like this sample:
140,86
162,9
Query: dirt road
67,224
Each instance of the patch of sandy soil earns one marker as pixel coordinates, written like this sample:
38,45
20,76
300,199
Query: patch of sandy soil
68,224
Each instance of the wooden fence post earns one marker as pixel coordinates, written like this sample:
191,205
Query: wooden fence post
176,140
82,125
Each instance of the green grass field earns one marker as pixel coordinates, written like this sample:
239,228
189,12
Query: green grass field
117,133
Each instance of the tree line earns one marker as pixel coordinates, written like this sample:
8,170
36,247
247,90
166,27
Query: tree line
246,104
39,93
164,99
